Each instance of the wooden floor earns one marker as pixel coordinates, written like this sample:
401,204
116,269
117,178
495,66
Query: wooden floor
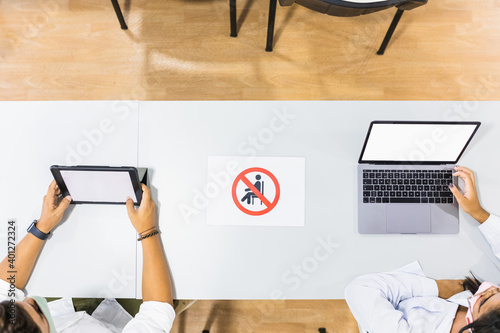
181,50
266,317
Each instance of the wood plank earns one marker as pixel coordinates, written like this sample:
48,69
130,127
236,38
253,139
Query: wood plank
181,50
278,316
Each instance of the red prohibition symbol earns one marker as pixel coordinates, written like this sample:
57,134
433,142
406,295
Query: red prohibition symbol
269,205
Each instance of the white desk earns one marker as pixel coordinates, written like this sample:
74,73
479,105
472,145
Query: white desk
91,254
217,262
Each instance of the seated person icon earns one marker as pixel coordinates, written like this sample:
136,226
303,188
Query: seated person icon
250,196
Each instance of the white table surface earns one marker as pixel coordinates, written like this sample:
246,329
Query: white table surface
224,262
174,139
93,252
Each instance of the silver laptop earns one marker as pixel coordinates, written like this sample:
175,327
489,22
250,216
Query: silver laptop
404,172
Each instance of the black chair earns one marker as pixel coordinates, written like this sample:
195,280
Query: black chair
119,14
335,8
344,9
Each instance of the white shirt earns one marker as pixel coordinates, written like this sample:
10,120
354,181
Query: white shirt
108,317
405,300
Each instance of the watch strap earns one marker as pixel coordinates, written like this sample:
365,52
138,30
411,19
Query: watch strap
36,232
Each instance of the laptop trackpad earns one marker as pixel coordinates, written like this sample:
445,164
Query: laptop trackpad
408,218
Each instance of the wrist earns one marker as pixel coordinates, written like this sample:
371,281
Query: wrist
36,232
146,230
149,234
43,226
481,215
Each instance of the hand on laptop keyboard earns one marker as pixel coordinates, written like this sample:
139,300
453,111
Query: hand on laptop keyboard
469,200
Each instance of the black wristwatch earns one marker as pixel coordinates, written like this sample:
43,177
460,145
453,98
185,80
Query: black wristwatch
36,232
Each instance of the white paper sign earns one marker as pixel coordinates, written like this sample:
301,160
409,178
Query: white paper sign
256,191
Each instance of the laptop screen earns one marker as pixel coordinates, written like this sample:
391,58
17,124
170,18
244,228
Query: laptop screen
417,142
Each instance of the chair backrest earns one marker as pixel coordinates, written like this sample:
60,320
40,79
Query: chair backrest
349,8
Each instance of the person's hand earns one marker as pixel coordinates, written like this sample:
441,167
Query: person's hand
144,218
469,200
52,209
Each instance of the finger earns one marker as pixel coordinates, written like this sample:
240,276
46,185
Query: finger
146,192
51,199
467,171
130,207
63,204
460,198
461,175
469,185
462,168
52,188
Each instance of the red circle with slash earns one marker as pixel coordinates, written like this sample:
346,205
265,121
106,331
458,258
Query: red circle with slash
269,205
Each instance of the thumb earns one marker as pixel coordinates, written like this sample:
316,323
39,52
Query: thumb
460,198
64,204
130,207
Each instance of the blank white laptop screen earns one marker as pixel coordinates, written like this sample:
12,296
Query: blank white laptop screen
417,142
96,186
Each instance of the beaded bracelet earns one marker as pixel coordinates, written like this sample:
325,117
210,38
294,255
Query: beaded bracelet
156,232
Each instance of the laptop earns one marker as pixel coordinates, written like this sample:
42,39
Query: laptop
404,171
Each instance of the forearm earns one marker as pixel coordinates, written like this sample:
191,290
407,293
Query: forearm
448,288
28,249
26,253
156,285
480,215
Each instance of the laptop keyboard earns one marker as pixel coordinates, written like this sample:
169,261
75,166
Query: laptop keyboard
407,186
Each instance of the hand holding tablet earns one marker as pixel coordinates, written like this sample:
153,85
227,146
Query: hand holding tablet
144,218
52,209
98,184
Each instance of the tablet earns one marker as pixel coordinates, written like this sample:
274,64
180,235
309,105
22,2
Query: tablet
98,184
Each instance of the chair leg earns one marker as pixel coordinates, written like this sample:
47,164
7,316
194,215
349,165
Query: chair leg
119,14
389,33
270,25
232,18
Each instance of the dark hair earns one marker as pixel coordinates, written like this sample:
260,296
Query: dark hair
489,322
21,322
471,283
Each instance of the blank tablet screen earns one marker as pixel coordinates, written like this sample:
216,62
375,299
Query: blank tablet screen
97,186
